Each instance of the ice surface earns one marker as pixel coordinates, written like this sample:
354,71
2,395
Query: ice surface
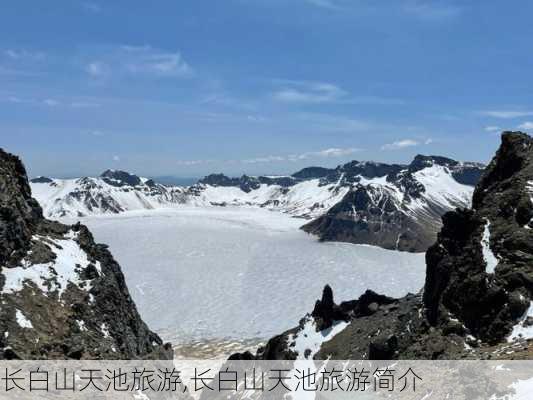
240,273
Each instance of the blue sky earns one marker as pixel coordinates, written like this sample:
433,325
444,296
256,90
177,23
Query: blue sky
189,87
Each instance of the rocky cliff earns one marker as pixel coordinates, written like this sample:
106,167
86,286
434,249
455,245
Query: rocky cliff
477,299
63,296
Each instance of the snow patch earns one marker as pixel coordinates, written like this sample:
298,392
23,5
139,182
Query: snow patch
442,188
523,330
105,330
490,259
307,342
70,261
81,325
23,321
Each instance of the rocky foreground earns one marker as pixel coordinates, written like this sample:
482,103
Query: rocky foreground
477,299
63,296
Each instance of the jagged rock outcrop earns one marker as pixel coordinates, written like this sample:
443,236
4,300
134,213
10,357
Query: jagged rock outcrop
63,296
120,178
477,298
481,268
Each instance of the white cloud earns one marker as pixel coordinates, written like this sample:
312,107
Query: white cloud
400,144
526,126
226,100
309,92
116,158
333,152
91,7
188,163
84,104
506,114
266,159
51,102
24,55
492,128
324,4
326,153
96,133
137,61
14,99
97,69
431,10
147,60
255,118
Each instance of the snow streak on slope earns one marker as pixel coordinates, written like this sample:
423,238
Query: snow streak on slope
491,261
441,188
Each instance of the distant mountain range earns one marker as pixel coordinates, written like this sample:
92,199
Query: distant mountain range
394,206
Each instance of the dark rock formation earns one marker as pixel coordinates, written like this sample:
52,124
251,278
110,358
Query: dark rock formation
41,179
313,173
63,295
247,183
120,178
459,280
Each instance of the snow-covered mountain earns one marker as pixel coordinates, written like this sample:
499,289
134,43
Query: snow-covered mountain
401,210
391,205
110,193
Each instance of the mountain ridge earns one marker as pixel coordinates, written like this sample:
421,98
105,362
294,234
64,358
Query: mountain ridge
395,206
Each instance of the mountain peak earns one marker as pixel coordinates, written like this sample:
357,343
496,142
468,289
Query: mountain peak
422,161
312,173
41,179
513,162
120,178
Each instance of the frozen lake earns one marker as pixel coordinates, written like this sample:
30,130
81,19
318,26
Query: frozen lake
208,275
